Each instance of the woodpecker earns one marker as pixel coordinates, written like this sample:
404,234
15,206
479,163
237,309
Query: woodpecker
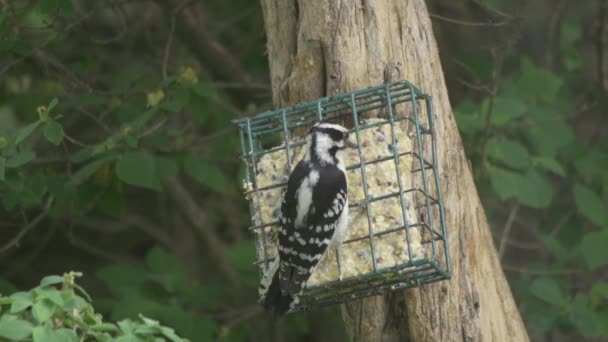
314,217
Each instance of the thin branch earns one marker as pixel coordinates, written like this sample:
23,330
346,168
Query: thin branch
75,141
149,227
507,230
522,270
130,221
561,223
498,61
99,252
153,129
192,29
23,262
33,223
602,43
468,23
199,219
170,38
493,10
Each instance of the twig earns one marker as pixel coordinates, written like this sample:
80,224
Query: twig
507,230
103,226
199,219
496,76
235,85
468,23
170,39
33,223
493,10
23,262
75,141
130,221
153,129
602,42
150,228
541,272
192,29
561,223
100,252
243,316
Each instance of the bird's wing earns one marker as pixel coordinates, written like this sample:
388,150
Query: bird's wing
302,247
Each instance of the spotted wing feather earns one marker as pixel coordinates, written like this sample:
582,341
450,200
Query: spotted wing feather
301,248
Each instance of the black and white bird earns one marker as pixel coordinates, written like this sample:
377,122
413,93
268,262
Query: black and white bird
314,217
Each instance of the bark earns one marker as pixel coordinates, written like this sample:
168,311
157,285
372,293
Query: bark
325,47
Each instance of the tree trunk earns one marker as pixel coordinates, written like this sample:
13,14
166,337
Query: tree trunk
318,48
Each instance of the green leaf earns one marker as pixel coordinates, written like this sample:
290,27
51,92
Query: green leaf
535,190
206,296
537,84
25,132
505,183
51,280
166,270
242,255
508,152
571,32
205,173
549,137
123,279
112,201
20,159
548,290
53,132
170,334
14,329
599,291
88,170
507,110
48,334
50,293
593,248
180,98
590,205
7,287
550,164
51,6
138,169
469,118
43,310
593,163
2,169
53,102
555,247
128,338
165,167
583,317
21,301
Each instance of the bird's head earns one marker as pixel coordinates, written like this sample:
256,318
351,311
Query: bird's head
326,140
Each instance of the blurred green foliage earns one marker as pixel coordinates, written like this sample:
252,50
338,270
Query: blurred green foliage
59,310
117,158
535,161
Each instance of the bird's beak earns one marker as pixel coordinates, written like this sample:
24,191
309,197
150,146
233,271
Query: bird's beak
350,144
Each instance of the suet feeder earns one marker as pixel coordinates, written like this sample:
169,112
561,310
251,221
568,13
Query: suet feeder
397,234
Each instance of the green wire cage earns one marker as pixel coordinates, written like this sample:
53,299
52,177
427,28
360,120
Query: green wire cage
397,231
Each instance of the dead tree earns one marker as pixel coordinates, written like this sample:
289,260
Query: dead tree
321,48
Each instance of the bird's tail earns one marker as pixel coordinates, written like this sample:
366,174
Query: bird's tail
273,299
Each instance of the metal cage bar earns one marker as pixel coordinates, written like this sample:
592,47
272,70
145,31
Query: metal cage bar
256,132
